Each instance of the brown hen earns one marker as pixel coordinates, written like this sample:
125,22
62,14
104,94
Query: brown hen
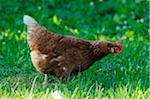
60,55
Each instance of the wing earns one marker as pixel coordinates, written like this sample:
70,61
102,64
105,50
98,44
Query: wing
68,41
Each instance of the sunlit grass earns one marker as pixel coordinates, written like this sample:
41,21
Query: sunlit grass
123,76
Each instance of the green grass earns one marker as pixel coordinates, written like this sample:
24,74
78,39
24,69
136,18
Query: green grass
114,76
123,76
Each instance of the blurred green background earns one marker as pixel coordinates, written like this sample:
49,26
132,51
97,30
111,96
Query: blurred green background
126,75
92,17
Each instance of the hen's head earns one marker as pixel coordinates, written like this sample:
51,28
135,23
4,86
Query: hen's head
104,48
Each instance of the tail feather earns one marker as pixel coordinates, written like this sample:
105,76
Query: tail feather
29,21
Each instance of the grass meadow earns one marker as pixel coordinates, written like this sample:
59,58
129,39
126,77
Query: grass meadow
123,76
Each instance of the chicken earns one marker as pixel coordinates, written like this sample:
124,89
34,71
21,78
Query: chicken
61,55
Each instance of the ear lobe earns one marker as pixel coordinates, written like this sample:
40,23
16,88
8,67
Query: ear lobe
112,50
115,50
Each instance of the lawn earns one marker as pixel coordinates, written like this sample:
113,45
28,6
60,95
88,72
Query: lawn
123,76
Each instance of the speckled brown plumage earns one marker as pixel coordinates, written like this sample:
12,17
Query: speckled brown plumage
60,55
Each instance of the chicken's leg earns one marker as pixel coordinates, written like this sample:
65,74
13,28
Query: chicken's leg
46,79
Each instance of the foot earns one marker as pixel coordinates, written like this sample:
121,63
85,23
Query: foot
45,79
